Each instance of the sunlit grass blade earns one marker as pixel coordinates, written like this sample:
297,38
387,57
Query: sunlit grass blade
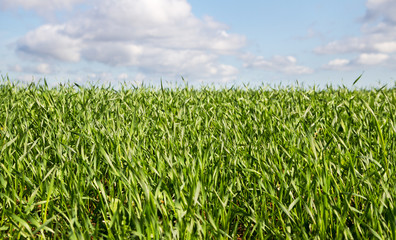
182,163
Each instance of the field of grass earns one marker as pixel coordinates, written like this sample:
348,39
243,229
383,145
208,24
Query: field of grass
182,163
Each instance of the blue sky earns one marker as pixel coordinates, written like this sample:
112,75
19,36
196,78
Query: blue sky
207,42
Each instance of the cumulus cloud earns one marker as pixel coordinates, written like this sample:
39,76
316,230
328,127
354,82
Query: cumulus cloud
153,36
43,68
384,9
383,41
40,68
48,41
364,59
386,47
372,58
39,5
344,46
337,64
283,64
377,43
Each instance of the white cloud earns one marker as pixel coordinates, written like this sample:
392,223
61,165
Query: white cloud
338,64
154,36
381,9
364,59
48,41
377,42
43,68
343,46
386,47
283,64
372,58
227,70
39,5
40,68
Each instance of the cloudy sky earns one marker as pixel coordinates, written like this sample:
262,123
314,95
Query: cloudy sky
207,42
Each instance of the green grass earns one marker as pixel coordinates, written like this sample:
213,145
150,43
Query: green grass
183,163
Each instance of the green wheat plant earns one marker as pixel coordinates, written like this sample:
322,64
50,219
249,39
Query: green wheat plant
183,163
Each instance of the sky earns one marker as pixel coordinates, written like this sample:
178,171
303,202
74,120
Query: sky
222,42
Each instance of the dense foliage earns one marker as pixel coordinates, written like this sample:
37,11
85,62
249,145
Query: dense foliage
184,163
